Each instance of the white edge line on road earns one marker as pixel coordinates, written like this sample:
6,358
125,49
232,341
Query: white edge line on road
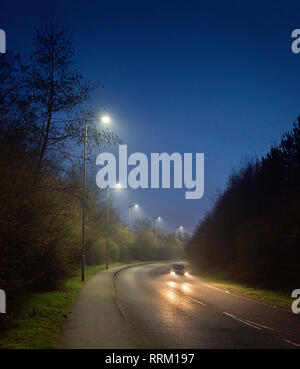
214,288
198,302
291,342
260,325
241,296
247,322
182,294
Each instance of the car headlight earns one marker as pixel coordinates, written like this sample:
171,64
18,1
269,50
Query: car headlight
186,273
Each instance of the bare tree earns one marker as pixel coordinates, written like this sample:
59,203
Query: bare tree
58,94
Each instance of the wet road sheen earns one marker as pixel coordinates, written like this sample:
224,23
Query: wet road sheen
186,312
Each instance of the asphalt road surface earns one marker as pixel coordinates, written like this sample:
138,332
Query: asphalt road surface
186,312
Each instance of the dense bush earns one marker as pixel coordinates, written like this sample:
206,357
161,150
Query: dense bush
114,251
165,246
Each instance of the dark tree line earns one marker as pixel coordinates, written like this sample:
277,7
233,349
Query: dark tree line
252,233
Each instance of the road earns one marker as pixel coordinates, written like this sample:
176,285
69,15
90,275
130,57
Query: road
186,312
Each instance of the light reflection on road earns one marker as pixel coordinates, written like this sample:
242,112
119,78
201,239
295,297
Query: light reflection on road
171,295
186,287
179,287
179,283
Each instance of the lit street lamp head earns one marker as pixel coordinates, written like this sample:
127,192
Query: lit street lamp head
105,119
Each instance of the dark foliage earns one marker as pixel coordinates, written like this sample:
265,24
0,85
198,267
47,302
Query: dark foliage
41,205
252,234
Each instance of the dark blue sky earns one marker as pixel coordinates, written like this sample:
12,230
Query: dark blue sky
187,76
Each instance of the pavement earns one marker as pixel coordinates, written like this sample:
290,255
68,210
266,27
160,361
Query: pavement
95,320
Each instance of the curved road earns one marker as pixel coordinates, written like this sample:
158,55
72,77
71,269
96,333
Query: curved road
185,312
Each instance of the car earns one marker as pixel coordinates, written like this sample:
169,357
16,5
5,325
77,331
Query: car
178,269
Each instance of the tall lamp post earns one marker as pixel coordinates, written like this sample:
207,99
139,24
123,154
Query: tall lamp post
107,228
104,119
84,203
128,227
107,225
129,214
179,231
153,230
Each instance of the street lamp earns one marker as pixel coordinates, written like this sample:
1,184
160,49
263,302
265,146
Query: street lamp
153,228
129,218
179,231
118,185
104,119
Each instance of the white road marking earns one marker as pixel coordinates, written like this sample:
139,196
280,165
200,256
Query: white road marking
291,342
247,322
190,298
239,296
182,294
244,321
260,325
214,288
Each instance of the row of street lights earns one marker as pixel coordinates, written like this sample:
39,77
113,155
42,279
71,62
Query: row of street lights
106,120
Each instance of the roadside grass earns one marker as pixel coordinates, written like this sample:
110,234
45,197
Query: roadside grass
274,298
42,315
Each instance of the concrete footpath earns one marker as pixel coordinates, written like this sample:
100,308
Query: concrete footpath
95,320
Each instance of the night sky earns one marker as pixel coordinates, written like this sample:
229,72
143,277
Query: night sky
181,76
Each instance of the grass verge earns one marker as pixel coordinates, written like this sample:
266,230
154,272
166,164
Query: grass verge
278,299
39,321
